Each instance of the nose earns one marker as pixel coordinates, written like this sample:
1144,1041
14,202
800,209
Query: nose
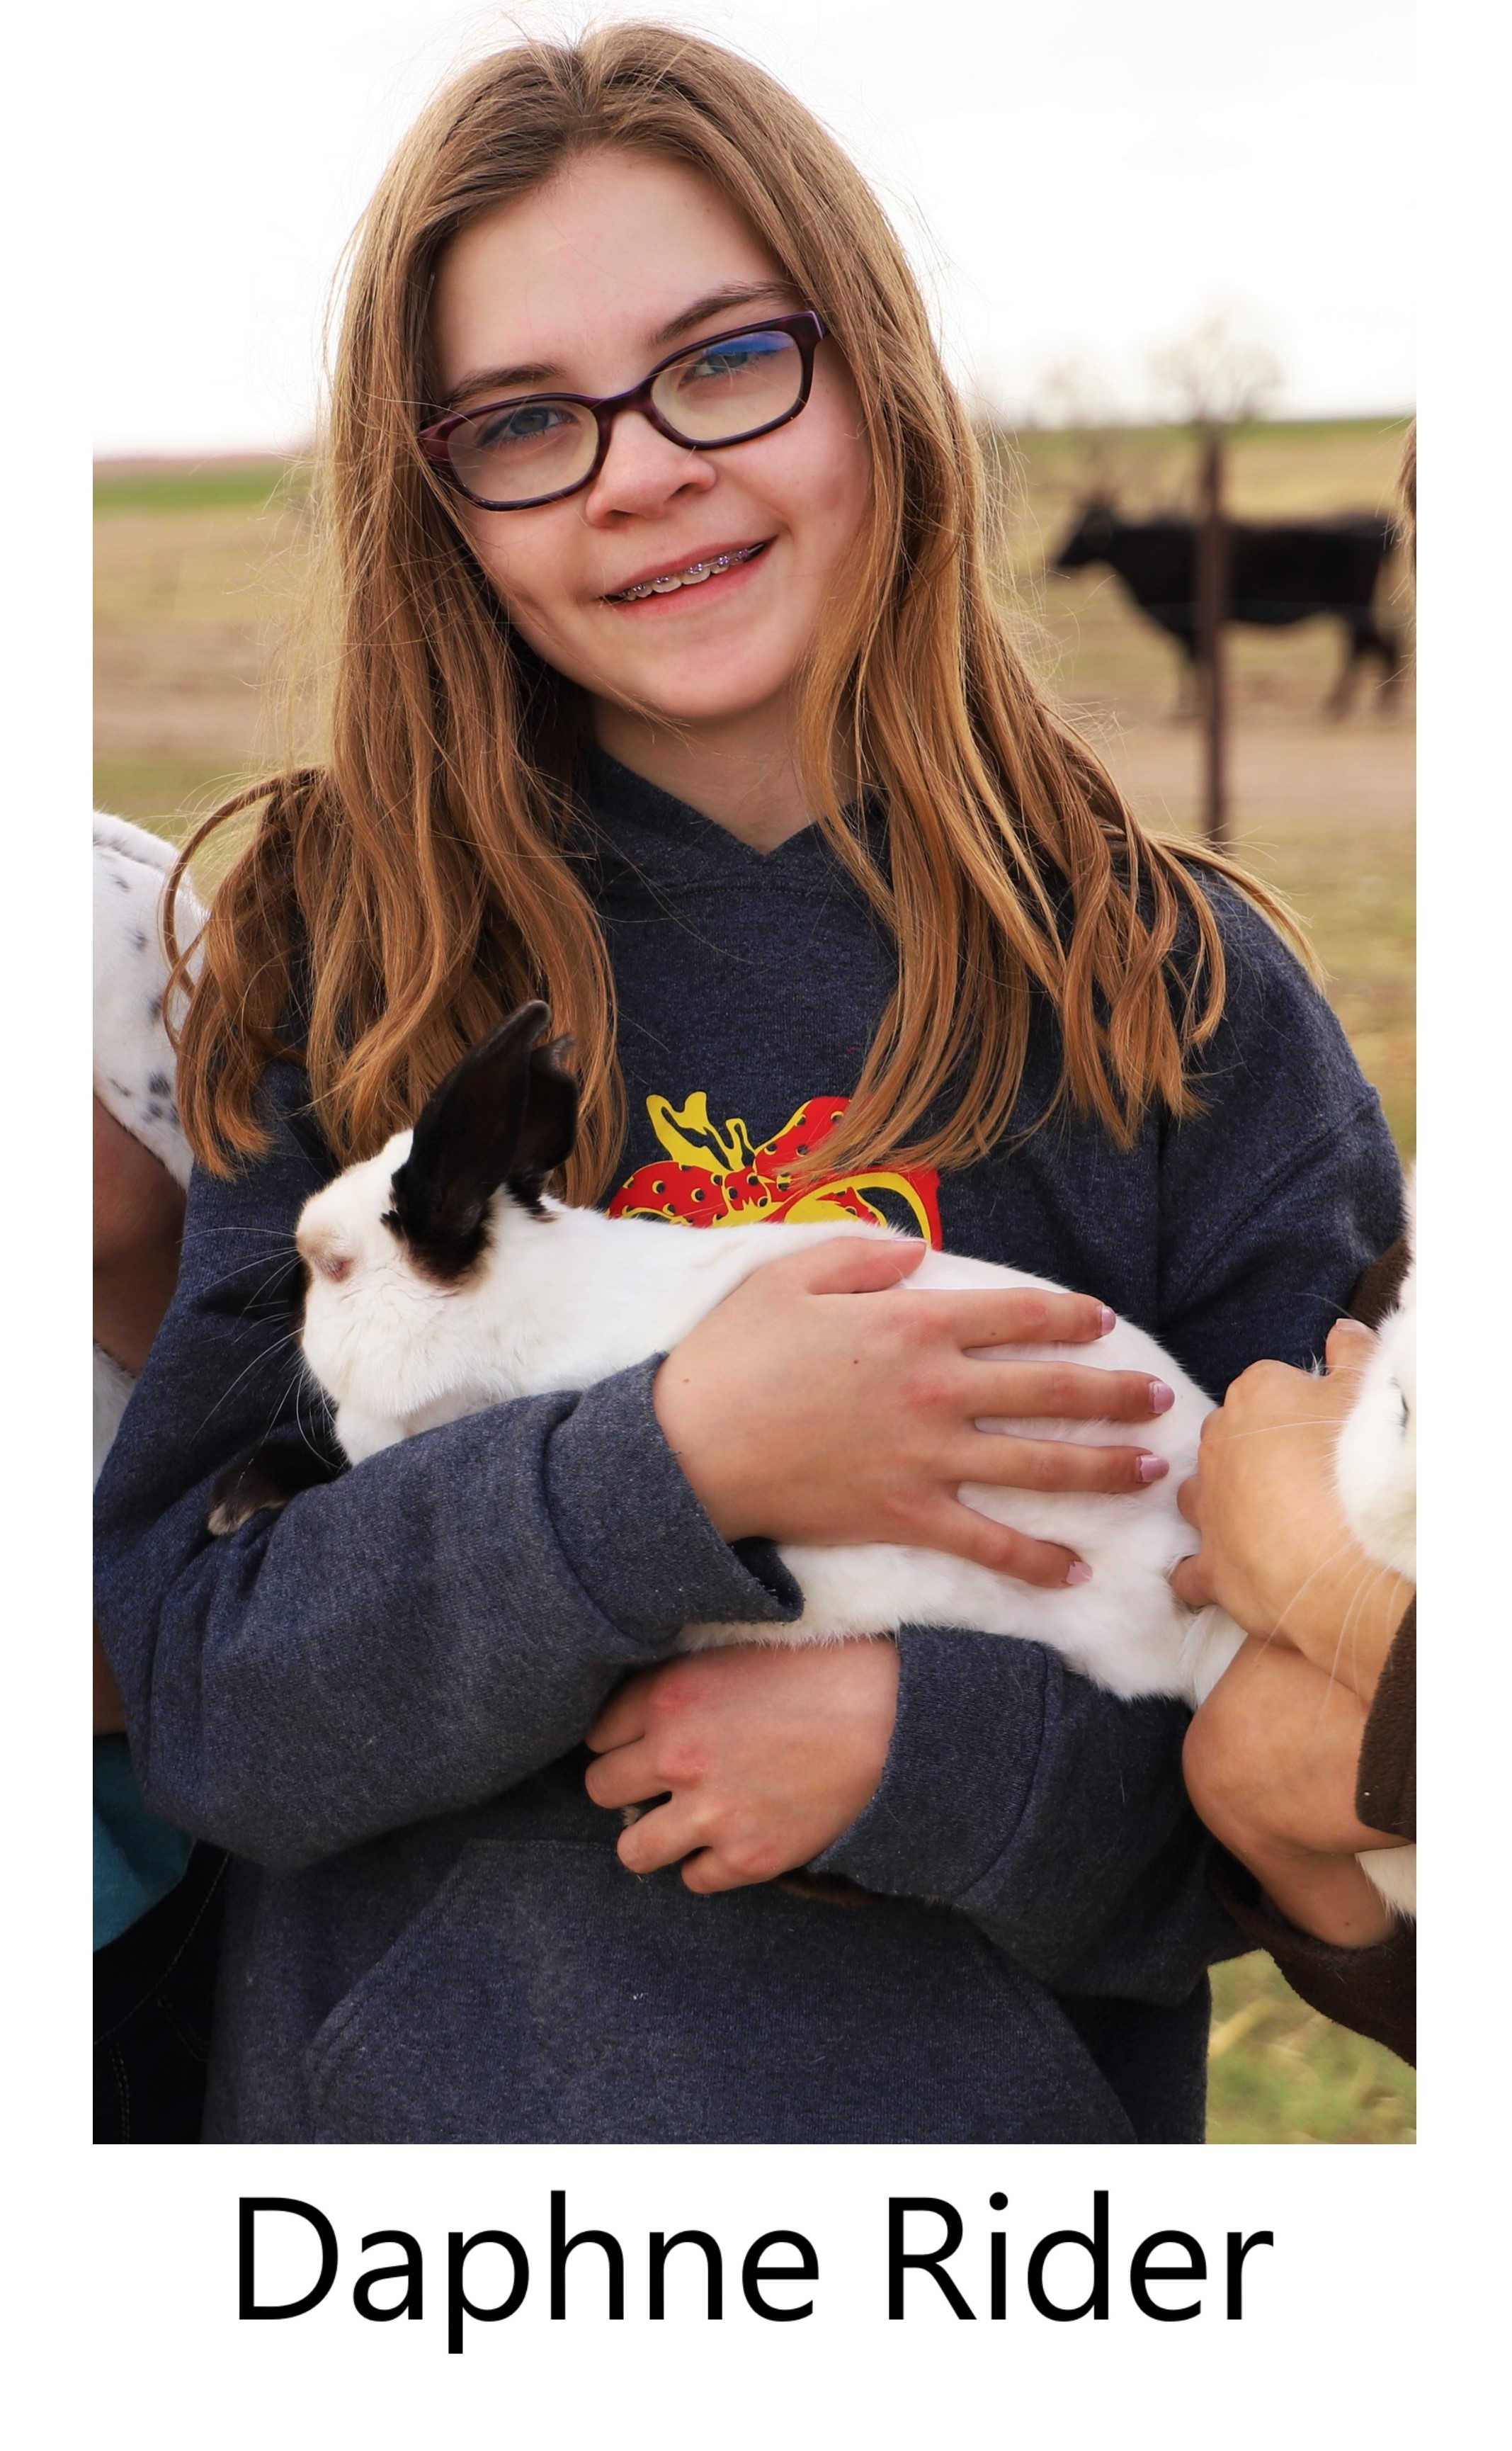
643,472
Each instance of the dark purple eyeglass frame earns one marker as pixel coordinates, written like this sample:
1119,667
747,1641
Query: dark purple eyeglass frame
807,330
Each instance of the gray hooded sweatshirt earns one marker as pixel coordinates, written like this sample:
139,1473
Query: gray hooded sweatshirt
376,1699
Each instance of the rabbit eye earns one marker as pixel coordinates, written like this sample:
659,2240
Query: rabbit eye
1405,1416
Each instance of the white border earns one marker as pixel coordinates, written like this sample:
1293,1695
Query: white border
1380,2291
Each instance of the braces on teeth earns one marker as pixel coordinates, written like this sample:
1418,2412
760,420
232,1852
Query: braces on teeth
693,576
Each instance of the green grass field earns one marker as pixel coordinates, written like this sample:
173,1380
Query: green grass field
199,571
168,489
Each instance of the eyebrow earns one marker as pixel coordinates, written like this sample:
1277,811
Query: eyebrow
717,302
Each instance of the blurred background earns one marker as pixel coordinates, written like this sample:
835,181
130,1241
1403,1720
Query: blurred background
1121,210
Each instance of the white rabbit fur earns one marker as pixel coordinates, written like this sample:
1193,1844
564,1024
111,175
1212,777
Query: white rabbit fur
563,1297
1376,1473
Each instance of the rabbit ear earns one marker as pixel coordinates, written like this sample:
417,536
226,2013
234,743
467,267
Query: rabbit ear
548,1124
505,1115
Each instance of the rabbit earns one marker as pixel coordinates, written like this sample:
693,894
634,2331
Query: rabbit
441,1280
1375,1468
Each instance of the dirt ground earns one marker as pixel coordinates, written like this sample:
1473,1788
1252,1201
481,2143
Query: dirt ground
198,584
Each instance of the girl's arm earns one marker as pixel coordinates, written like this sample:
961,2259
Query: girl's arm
1053,1814
428,1630
414,1637
1272,1203
955,1766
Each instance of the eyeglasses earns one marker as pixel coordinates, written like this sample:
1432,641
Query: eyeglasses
515,454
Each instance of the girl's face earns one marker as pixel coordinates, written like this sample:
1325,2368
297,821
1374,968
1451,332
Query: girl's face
582,287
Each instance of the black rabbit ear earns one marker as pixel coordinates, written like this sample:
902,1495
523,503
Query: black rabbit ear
549,1125
505,1116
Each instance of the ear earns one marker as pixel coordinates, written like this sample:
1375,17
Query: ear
505,1116
548,1124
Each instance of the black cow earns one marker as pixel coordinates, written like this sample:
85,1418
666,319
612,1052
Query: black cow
1276,575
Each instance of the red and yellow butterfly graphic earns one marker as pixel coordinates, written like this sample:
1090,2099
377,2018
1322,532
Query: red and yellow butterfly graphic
717,1177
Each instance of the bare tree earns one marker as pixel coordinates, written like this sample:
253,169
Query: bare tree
1073,396
1216,374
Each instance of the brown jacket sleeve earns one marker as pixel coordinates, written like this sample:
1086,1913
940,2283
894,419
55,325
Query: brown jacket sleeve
1373,1991
1385,1789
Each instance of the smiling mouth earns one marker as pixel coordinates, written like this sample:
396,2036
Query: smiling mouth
692,575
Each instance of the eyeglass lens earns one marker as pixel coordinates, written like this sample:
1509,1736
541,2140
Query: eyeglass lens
719,394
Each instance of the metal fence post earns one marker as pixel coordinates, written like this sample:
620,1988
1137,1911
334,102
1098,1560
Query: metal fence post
1213,606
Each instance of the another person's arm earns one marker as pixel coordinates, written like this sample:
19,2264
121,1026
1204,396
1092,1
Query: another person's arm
1276,1767
1272,1763
1272,1756
1297,1759
1277,1551
137,1227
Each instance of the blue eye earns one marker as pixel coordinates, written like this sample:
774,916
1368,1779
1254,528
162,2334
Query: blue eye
735,358
531,422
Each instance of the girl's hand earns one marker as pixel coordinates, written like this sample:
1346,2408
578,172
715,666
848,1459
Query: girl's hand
765,1755
823,1401
1276,1551
1270,1761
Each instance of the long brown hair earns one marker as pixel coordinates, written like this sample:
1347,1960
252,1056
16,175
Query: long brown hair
423,876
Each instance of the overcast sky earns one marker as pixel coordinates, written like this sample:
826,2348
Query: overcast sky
1081,182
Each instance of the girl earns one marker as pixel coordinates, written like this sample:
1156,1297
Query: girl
671,686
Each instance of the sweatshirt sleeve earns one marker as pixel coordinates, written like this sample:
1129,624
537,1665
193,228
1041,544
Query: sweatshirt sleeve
1279,1193
408,1640
1050,1811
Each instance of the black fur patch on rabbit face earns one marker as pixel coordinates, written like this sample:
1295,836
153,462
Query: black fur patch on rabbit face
504,1118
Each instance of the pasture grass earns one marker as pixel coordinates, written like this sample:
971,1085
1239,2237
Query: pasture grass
1277,469
1280,2075
199,569
170,487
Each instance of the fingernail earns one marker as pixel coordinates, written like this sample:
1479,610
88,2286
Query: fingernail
1152,1467
1107,1320
1161,1397
1079,1573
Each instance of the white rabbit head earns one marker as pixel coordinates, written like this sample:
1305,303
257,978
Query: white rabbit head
1376,1459
402,1325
